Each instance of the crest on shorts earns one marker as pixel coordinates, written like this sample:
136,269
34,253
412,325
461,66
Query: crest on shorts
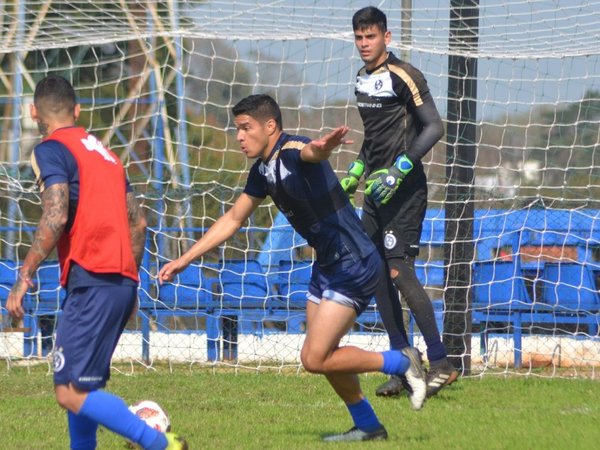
389,241
58,360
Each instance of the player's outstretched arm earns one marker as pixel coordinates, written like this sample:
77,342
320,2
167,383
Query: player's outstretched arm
320,149
55,208
219,232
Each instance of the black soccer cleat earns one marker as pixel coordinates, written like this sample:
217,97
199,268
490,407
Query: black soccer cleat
355,435
440,376
392,387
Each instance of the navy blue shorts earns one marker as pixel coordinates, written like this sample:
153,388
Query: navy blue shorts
351,282
88,330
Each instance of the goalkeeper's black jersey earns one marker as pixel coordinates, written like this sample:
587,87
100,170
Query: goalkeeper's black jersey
387,98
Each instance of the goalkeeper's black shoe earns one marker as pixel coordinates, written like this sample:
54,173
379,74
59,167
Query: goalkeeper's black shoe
392,387
355,435
440,376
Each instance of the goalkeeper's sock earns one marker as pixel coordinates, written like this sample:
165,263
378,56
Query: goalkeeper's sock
435,349
111,412
363,416
398,341
82,432
394,362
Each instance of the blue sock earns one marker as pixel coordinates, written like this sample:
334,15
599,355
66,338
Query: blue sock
111,412
82,432
394,362
364,417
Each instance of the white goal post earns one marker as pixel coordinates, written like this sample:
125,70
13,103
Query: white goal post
157,81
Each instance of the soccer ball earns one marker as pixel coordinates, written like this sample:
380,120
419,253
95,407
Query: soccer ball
151,413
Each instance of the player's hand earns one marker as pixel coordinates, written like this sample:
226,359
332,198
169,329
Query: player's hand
169,270
14,302
383,183
331,140
350,182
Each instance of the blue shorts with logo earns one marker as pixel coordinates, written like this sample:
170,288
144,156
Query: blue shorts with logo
351,282
88,330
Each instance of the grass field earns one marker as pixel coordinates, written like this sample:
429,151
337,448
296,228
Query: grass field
224,410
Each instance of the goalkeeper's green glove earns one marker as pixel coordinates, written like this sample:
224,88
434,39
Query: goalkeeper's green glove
350,182
383,183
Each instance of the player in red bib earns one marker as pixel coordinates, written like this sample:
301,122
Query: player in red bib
93,219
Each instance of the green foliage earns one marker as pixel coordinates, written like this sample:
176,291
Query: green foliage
227,409
561,140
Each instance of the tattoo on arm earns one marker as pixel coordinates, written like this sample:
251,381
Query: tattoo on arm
137,227
55,211
19,284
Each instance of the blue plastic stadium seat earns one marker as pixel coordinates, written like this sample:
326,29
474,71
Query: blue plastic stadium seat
499,284
188,290
293,279
241,302
41,304
570,285
46,295
500,295
49,294
240,284
8,275
188,295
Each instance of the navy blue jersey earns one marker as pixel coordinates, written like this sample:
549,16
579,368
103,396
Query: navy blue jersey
53,163
311,198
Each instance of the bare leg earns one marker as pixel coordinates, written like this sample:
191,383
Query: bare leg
346,386
327,323
69,397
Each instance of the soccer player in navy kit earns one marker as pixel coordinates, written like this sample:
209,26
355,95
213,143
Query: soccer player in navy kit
94,221
401,124
295,173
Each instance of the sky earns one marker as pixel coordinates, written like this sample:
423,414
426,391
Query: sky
530,51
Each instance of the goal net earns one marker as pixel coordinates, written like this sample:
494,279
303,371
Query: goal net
157,81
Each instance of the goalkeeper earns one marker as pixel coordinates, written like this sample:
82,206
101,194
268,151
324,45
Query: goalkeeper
401,124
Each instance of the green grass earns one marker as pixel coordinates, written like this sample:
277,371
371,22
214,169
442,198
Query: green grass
225,410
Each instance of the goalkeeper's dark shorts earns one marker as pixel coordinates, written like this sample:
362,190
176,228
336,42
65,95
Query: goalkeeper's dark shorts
396,227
